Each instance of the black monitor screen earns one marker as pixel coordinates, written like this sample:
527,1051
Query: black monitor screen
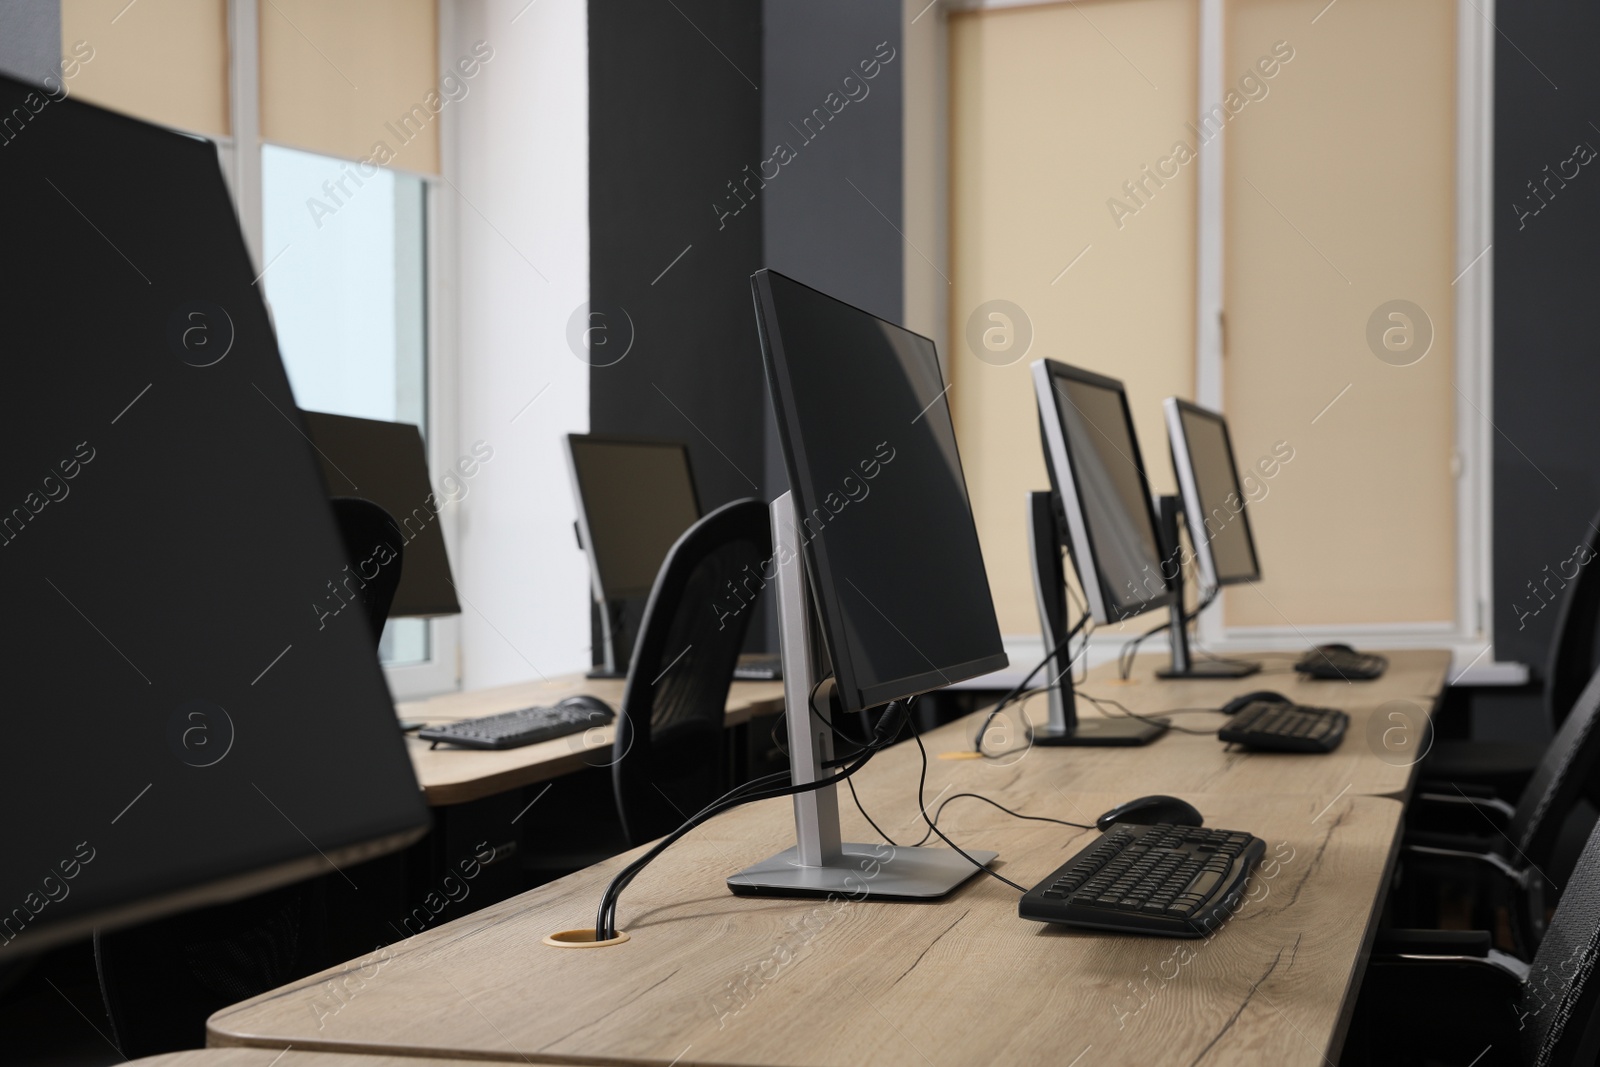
1096,469
635,499
1202,455
384,462
191,711
889,540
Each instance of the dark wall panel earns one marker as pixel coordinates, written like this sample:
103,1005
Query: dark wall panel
1547,292
674,116
834,206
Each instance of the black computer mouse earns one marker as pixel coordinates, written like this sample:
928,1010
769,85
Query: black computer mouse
599,709
1336,646
1153,809
1238,704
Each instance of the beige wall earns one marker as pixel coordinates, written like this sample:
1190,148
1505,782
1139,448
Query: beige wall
1053,108
1339,197
161,60
337,78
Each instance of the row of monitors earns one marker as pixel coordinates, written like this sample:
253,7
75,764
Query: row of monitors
190,724
637,496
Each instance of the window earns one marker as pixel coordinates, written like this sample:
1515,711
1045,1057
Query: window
346,281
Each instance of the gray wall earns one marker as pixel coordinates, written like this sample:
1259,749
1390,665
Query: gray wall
30,39
832,215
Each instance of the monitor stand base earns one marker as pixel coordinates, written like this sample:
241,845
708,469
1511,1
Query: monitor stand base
1212,669
1102,733
865,872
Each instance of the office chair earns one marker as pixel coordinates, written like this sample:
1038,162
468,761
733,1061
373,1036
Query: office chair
1432,997
1513,860
1502,768
363,526
668,754
163,979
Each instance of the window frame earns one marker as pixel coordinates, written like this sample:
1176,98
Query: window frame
441,672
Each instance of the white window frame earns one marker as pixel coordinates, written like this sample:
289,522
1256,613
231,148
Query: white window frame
441,672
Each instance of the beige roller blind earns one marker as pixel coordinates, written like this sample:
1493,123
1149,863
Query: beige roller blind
1339,200
356,79
1053,109
162,60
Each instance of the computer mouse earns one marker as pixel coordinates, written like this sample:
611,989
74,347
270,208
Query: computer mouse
594,705
1336,646
1153,809
1238,704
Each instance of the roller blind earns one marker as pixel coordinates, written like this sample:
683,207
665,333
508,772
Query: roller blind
161,60
357,79
1054,113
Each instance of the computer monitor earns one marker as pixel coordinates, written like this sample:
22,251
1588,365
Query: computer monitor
876,535
1098,474
1100,508
1214,504
635,497
385,462
183,727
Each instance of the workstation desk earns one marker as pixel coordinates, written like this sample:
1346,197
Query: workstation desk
716,979
451,775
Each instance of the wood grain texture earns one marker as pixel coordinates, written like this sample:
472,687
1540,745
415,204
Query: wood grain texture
1370,761
709,978
262,1057
456,775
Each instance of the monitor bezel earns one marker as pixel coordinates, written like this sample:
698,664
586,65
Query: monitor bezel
1189,490
1064,483
597,579
814,552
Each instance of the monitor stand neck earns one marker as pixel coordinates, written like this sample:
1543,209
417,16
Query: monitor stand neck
1063,727
821,863
1182,664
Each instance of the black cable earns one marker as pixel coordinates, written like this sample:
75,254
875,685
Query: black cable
938,813
867,817
1102,703
1130,648
922,782
605,922
1020,686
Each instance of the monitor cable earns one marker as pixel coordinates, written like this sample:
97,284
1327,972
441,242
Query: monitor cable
1021,686
1130,648
889,726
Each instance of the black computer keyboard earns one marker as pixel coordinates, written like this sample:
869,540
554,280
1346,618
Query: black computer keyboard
525,726
1177,881
1280,727
1339,663
759,668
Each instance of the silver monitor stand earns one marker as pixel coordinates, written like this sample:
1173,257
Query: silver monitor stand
820,864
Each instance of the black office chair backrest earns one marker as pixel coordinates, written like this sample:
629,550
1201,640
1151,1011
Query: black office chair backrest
667,758
1574,655
370,535
1560,1010
1560,780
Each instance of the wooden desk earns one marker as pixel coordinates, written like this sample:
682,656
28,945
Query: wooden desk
709,978
1372,761
261,1057
456,775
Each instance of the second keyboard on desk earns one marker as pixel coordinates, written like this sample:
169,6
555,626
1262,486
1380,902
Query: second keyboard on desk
1279,726
525,726
1180,881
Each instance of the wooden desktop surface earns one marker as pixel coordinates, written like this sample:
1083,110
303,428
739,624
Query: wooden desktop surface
709,978
262,1057
450,775
1387,736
